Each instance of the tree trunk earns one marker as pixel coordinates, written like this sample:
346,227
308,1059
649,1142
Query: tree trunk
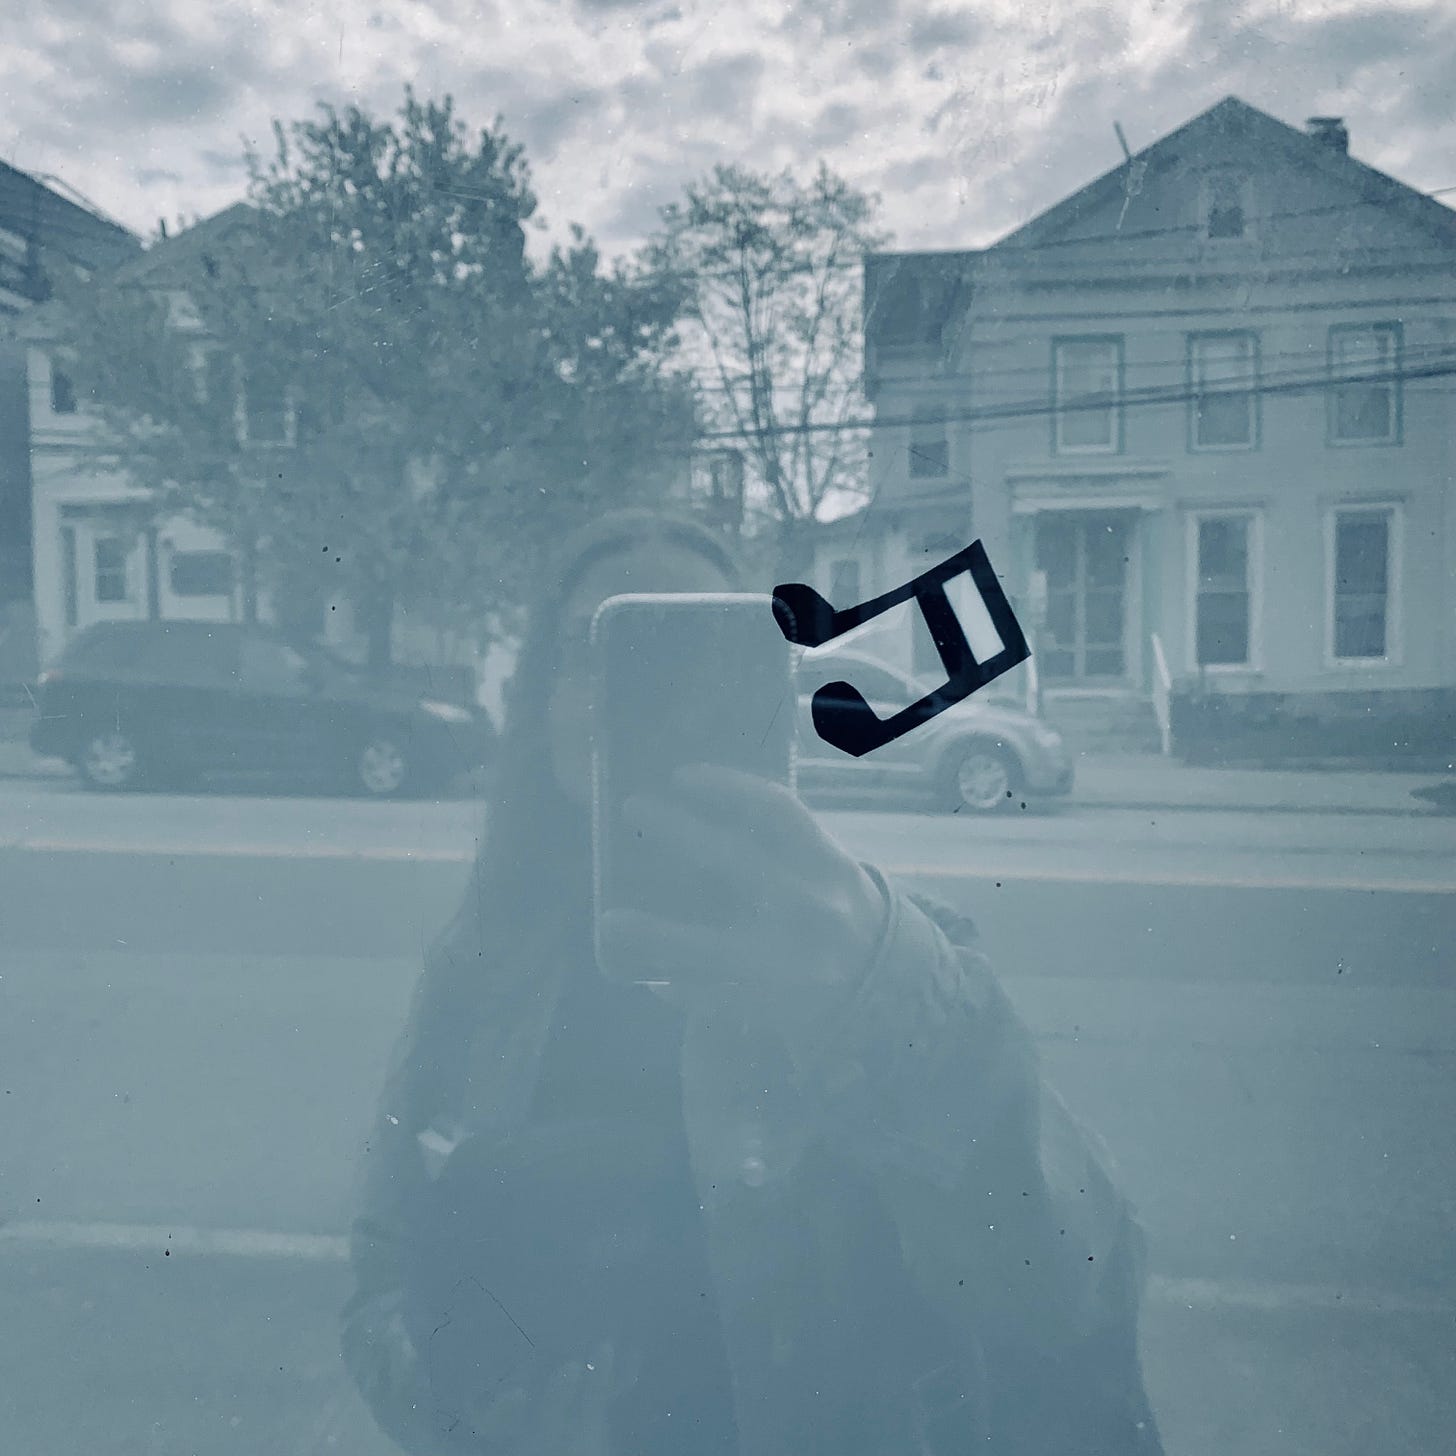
376,618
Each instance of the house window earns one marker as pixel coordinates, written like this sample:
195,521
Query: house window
1225,206
1365,408
1225,551
218,377
1087,379
1363,550
1222,369
929,453
265,412
63,393
725,487
201,574
110,584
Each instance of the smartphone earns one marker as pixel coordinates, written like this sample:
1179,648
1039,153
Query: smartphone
680,679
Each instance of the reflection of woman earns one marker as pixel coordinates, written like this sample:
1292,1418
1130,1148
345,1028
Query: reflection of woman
862,1223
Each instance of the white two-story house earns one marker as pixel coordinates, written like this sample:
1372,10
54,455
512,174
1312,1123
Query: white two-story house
1203,415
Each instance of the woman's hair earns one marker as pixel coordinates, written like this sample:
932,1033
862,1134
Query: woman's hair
531,883
534,835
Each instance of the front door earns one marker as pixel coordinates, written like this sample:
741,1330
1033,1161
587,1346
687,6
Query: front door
1085,558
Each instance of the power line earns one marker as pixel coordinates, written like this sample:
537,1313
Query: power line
1303,356
1031,409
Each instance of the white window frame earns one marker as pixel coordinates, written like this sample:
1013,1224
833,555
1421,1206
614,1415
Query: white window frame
1254,557
1196,392
1395,436
1394,579
1116,344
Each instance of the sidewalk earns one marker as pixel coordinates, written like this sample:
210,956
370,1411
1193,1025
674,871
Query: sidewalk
1148,781
1123,781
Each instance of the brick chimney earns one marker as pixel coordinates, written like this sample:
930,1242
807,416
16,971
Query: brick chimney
1329,131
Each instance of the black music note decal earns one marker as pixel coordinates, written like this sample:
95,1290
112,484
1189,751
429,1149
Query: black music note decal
841,714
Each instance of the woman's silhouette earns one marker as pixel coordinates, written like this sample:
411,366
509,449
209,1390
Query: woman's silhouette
813,1198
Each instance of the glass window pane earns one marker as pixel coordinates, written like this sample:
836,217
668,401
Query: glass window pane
1362,583
1223,375
1360,627
1361,552
1085,428
1364,412
110,561
929,458
1223,628
1061,619
1225,419
1223,554
1364,409
1222,609
1056,551
1104,617
1106,555
1087,386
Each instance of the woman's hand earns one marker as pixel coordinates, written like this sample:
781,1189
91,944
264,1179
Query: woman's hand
781,908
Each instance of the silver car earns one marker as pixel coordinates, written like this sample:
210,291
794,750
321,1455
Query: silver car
982,754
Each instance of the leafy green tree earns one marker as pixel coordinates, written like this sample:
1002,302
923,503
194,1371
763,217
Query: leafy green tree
362,378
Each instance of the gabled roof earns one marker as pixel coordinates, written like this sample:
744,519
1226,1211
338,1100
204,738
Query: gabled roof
76,231
1233,120
164,264
175,254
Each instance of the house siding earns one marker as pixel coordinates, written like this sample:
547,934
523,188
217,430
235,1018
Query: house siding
1131,268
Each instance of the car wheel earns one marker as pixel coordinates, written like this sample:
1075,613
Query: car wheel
980,777
382,766
110,760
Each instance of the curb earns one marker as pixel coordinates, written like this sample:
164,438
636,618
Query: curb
1393,812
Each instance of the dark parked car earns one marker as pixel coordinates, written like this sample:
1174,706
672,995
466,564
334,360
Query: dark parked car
978,755
163,703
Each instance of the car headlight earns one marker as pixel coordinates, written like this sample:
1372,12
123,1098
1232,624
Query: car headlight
1047,737
445,712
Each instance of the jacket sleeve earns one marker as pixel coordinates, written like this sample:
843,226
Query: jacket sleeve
378,1352
1008,1216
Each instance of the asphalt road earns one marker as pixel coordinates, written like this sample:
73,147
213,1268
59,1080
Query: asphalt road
197,996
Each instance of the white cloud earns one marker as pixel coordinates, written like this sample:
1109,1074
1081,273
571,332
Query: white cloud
143,107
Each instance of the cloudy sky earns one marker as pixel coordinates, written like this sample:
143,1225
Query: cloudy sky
966,118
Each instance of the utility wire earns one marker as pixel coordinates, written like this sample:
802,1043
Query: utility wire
1156,395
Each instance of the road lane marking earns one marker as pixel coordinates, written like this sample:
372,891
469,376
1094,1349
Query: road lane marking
135,1238
1101,875
264,1244
244,851
1174,878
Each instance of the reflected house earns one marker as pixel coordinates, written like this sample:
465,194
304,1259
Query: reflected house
48,235
1202,410
102,553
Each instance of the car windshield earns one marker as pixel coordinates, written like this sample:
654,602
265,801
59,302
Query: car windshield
467,988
